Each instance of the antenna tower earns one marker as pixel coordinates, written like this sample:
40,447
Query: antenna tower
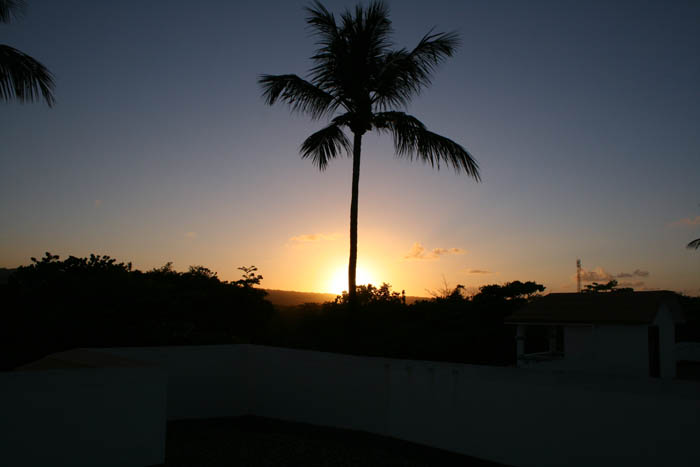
578,275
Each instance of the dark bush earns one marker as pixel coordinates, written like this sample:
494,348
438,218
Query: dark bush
53,305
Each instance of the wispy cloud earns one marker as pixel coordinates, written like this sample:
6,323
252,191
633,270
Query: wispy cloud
190,235
687,222
635,273
595,275
479,271
317,237
599,274
418,251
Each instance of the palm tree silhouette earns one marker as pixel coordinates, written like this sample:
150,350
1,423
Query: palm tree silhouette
355,82
21,77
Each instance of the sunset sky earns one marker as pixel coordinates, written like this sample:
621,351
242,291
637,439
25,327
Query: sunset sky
583,116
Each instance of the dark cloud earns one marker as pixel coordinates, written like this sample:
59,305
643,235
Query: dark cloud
479,271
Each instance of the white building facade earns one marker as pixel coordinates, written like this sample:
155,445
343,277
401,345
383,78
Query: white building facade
622,333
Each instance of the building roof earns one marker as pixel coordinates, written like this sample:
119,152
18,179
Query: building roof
597,308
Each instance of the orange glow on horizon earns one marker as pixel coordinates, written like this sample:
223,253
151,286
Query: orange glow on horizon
338,281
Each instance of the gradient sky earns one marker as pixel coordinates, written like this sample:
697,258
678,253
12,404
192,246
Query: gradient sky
583,116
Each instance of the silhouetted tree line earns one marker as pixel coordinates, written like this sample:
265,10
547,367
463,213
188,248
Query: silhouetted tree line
452,327
54,305
610,286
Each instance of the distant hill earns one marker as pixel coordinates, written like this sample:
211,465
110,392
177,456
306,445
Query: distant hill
292,298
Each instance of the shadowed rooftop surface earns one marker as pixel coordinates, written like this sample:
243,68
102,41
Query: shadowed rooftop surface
257,442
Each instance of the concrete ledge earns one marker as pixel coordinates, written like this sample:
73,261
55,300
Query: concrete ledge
68,409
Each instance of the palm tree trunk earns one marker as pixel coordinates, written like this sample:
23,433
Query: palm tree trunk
352,266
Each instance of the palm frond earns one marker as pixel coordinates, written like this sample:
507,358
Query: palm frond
350,51
301,95
694,245
321,22
394,122
369,28
11,10
433,49
24,78
324,145
323,26
404,74
413,140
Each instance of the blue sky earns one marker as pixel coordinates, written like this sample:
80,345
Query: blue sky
583,117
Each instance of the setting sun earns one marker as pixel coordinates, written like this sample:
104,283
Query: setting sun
339,280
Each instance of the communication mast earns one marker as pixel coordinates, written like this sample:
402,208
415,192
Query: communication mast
578,275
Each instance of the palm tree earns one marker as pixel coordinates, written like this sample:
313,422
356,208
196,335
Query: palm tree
356,82
21,77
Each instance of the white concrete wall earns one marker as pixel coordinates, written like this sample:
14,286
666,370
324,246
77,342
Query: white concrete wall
536,419
603,349
578,341
614,349
319,388
203,381
687,351
509,415
86,417
621,349
667,342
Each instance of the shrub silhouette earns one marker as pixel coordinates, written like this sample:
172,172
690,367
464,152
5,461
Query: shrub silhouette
54,305
369,295
610,286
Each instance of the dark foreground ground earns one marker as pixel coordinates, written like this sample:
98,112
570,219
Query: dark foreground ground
257,442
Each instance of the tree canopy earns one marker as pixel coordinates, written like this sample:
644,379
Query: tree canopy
610,286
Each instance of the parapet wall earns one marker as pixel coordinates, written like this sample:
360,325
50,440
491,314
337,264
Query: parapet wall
83,416
508,415
116,415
